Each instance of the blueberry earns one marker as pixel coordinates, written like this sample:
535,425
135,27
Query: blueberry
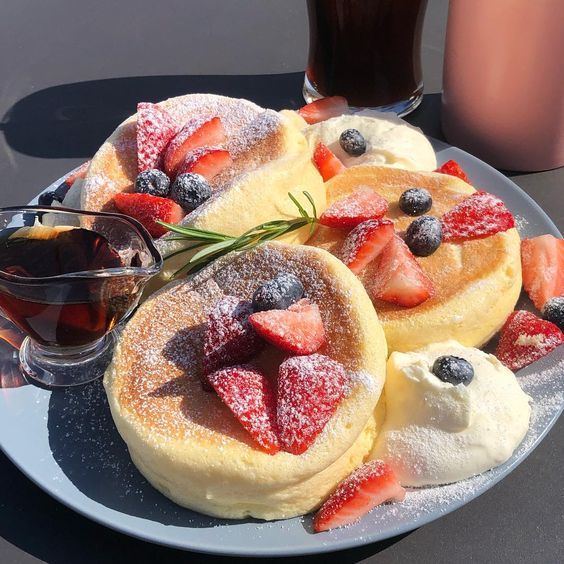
46,199
279,293
424,236
553,311
453,369
60,192
190,190
415,201
353,142
154,182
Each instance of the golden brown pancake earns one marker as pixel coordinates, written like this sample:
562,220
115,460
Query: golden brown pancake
188,444
476,282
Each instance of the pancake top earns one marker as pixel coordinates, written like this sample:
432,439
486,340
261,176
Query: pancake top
452,267
255,136
155,373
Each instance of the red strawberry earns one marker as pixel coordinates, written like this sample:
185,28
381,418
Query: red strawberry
298,329
147,209
480,215
324,108
197,133
77,173
155,128
207,161
361,205
230,338
365,242
310,389
543,268
525,338
452,168
250,396
368,486
326,162
399,278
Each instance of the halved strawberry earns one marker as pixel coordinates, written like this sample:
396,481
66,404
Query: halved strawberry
79,172
542,259
155,128
229,338
207,161
326,162
324,108
452,168
399,278
361,205
369,485
298,329
147,209
248,393
197,133
525,338
480,215
310,389
365,242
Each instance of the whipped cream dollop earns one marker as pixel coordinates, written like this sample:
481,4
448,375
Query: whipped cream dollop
390,140
436,432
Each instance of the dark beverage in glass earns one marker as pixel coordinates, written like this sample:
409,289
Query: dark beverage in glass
368,51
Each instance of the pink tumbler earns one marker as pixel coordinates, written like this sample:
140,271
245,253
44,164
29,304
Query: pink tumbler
503,82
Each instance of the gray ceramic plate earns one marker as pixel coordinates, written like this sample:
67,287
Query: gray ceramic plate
66,443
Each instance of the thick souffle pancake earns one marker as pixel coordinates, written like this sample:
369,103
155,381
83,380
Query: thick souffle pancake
476,282
188,444
270,157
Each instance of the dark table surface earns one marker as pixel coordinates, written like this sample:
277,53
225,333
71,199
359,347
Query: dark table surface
71,71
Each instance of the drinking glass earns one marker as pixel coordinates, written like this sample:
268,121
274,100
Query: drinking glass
69,318
368,51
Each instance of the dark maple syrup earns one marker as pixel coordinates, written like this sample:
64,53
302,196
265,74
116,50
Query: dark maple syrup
72,310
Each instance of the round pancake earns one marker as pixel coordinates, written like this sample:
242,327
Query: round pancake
188,444
271,158
477,283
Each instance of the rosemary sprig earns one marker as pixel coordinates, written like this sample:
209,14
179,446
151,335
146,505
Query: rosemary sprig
213,245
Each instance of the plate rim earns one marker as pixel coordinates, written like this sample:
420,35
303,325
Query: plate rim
330,545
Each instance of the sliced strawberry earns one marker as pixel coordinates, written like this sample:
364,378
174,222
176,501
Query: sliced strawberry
361,205
298,329
370,485
230,338
326,162
399,278
365,242
452,168
543,268
525,338
247,392
207,161
58,195
480,215
147,209
310,389
155,128
195,134
77,173
324,108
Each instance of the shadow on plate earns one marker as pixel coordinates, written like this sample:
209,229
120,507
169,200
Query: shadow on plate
91,453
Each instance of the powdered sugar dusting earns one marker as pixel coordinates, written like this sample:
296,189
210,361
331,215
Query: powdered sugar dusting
161,355
544,383
310,389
